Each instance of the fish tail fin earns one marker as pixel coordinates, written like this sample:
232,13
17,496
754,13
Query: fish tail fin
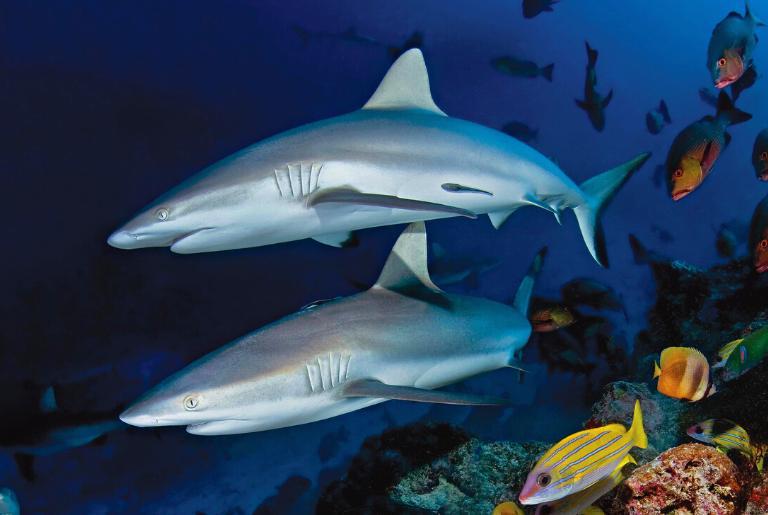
598,191
748,15
547,71
525,290
591,55
636,431
728,113
656,370
664,110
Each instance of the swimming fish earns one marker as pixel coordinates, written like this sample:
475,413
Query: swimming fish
349,35
696,148
522,68
347,354
551,318
683,374
594,103
579,461
532,8
398,159
758,236
658,118
9,503
731,47
508,508
746,81
740,355
760,155
724,434
584,291
729,236
521,131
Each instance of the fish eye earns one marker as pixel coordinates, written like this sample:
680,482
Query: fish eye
162,214
764,244
764,156
721,62
543,479
191,402
678,173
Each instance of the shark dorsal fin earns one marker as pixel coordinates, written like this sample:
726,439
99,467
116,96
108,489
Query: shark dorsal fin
406,266
48,401
405,86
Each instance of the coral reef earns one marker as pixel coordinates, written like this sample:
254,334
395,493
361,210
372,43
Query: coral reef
757,504
690,479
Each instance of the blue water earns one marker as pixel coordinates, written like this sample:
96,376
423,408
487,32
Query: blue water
107,104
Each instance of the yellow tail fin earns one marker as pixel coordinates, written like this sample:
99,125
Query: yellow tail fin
656,370
636,431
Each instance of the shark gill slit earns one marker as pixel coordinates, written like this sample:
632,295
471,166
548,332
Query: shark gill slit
309,376
296,181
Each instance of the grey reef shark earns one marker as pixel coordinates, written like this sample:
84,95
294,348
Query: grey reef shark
399,159
401,339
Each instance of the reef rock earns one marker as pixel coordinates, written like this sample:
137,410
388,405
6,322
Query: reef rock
691,479
758,499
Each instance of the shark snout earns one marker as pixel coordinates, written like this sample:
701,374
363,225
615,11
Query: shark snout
122,239
138,418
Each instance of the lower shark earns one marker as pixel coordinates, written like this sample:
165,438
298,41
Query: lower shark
51,430
399,159
401,339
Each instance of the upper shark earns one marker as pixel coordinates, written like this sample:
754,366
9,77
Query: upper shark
398,159
400,339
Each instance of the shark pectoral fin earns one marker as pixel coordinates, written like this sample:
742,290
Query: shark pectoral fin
352,196
461,188
338,239
26,465
498,218
377,389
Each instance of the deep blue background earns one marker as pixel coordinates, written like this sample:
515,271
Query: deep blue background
104,105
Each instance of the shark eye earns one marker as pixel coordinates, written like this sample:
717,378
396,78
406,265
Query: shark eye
162,214
721,62
678,173
543,479
191,402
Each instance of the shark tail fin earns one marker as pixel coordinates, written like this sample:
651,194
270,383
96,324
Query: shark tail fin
547,71
525,290
598,191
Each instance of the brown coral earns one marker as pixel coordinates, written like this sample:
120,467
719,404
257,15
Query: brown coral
690,479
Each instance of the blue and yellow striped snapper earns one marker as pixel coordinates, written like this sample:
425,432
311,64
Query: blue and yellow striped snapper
724,434
581,460
581,502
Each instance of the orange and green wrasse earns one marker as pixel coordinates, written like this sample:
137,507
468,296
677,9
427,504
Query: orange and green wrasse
731,46
683,374
760,155
740,355
581,502
579,461
724,434
507,508
758,237
551,318
696,148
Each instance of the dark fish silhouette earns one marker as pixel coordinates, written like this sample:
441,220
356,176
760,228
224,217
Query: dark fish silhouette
758,237
760,155
658,118
594,103
584,291
708,97
521,131
729,237
348,36
515,67
532,8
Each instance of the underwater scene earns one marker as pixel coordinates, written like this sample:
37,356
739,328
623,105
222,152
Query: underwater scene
384,257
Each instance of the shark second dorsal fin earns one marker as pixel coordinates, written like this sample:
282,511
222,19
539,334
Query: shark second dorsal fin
48,401
406,266
405,86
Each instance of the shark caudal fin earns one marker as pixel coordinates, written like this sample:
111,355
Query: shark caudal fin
523,296
598,192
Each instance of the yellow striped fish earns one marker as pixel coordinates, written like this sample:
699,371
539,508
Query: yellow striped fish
581,502
724,434
579,461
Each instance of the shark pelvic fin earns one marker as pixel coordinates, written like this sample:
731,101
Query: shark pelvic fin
498,218
405,86
48,401
338,239
406,266
377,389
347,195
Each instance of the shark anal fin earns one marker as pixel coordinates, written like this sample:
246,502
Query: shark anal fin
498,218
461,188
26,465
377,389
338,239
352,196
